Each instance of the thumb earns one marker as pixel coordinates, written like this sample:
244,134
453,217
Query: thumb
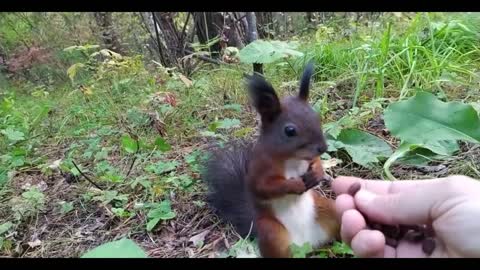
412,205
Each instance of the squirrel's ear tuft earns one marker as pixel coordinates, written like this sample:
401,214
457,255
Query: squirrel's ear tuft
305,82
263,97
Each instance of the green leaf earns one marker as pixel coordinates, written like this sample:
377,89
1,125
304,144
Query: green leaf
419,156
162,167
120,212
401,151
208,134
363,147
228,123
129,144
123,248
264,52
301,251
5,227
244,248
112,177
159,211
243,132
13,135
3,178
66,207
101,154
162,144
425,120
72,70
341,248
234,107
81,48
476,106
108,196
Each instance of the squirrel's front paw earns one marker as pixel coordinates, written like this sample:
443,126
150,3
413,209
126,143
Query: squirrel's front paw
310,180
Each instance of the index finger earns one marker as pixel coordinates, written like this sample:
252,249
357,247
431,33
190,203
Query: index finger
341,184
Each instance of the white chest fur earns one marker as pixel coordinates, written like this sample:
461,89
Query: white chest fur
297,212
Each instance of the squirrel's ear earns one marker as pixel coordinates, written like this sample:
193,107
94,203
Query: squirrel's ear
305,82
263,97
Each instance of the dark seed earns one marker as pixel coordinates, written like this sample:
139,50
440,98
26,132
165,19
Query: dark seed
354,189
391,231
429,232
391,242
376,226
414,236
411,227
403,232
428,245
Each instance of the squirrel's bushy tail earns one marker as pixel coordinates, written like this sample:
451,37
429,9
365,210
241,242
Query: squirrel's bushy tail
224,173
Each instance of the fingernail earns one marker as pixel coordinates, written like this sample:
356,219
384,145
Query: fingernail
364,197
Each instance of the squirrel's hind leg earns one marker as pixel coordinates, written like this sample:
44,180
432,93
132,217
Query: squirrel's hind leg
273,238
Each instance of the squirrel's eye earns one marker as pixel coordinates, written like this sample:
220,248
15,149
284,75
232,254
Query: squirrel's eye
290,131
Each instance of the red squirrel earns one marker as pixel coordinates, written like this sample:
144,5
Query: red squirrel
264,189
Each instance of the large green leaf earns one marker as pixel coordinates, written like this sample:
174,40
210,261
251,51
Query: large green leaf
123,248
423,119
363,147
129,144
159,211
264,52
162,144
13,135
73,69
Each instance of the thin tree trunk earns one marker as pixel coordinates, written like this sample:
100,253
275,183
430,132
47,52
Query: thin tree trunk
208,26
108,35
153,44
171,37
252,35
264,24
309,17
232,32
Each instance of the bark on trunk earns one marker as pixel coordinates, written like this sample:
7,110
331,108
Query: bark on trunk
108,34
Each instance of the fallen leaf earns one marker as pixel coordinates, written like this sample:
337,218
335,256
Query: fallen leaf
42,186
86,90
55,164
199,238
331,163
185,80
35,243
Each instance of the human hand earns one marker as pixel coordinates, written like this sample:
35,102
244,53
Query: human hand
450,205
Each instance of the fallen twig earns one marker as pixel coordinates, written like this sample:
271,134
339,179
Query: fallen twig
86,177
134,158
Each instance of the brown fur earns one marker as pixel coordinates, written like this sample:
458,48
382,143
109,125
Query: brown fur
326,215
266,184
273,238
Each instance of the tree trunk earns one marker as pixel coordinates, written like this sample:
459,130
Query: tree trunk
209,25
232,32
149,27
264,24
252,35
108,35
170,37
309,17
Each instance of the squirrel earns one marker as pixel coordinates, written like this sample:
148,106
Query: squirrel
264,188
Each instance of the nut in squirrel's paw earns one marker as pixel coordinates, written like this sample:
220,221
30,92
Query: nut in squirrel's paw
310,180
